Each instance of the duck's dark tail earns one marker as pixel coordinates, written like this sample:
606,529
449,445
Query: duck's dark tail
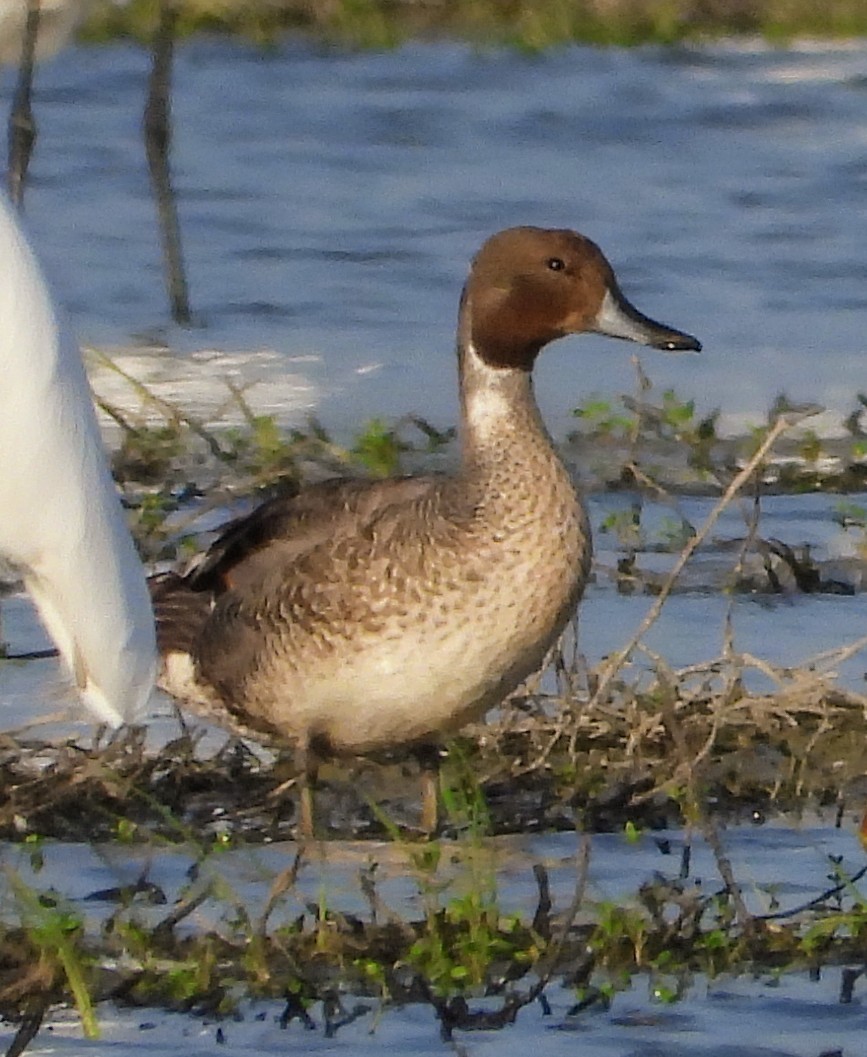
179,611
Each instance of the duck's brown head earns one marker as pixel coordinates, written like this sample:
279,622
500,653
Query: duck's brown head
529,286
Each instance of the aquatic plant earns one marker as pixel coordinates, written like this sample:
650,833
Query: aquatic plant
529,25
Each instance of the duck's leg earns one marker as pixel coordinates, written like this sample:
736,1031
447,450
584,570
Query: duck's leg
307,762
428,756
158,139
22,127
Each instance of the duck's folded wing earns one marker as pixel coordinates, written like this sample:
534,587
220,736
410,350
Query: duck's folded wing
267,542
294,525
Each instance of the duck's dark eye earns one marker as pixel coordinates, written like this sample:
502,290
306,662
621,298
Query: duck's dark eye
556,264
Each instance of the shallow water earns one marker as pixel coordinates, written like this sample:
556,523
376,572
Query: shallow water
770,1016
792,1017
331,200
329,875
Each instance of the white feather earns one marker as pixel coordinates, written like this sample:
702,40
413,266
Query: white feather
487,405
61,524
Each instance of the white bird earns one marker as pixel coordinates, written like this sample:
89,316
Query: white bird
62,528
32,30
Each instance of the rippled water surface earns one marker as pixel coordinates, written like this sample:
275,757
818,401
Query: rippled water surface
330,203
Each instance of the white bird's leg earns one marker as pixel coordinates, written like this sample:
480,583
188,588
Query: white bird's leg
158,138
22,127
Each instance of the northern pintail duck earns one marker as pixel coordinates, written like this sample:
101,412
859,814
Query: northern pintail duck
365,615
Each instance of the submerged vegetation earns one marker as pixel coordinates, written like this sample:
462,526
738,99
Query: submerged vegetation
627,745
527,24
